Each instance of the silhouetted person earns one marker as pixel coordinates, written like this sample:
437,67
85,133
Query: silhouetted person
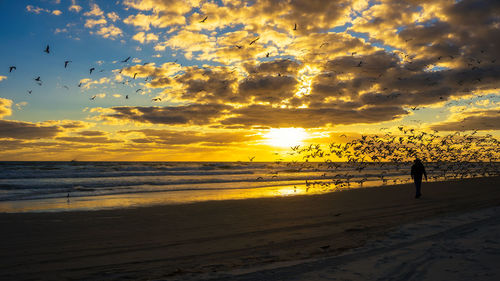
417,170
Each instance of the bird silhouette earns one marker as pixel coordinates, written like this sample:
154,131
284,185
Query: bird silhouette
12,68
238,46
156,99
203,20
66,63
30,91
125,60
92,69
47,49
135,74
126,97
295,27
255,40
138,90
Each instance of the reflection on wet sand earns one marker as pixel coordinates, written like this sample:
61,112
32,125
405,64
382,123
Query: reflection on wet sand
147,199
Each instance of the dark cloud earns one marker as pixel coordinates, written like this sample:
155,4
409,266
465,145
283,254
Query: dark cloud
171,137
88,139
26,130
281,66
475,120
73,124
11,144
272,89
209,85
311,117
91,133
195,114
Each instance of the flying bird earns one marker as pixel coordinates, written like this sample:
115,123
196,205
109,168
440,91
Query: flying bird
92,69
138,90
126,97
295,27
126,60
360,63
47,49
93,98
66,63
135,74
267,55
12,68
156,99
38,79
238,46
255,40
203,20
29,91
79,85
251,158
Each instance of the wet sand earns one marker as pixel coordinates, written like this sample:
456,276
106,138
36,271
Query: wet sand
212,239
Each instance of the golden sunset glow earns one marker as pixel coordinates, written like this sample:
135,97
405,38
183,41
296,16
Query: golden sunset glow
165,80
286,137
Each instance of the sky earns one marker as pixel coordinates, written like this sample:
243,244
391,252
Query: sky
232,80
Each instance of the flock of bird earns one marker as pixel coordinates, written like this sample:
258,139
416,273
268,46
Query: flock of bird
92,69
452,156
342,164
39,82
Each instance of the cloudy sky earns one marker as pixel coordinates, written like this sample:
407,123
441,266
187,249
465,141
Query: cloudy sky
226,80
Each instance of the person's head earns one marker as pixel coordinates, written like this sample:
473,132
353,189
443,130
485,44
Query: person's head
417,161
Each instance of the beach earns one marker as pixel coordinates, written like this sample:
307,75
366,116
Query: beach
302,237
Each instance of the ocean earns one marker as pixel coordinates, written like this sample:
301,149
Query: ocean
66,186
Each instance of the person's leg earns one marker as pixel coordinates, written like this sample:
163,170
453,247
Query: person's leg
418,184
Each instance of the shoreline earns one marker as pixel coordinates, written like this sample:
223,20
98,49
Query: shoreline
160,198
189,241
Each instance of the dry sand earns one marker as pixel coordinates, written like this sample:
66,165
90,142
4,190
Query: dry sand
222,239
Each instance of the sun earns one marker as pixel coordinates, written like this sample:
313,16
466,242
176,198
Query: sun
285,137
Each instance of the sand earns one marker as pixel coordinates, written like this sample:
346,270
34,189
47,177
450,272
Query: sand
321,237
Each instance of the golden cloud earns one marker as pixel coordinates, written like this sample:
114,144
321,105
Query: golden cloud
5,107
